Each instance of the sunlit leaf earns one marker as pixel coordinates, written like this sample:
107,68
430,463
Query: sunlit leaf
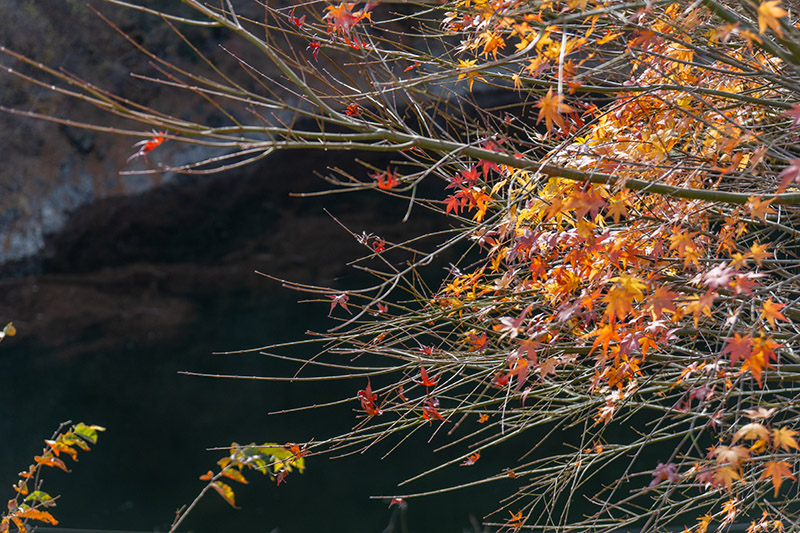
225,491
235,475
42,516
88,432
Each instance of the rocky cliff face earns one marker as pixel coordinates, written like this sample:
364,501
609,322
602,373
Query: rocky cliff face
95,235
50,170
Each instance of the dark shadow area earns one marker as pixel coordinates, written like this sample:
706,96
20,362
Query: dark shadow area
137,289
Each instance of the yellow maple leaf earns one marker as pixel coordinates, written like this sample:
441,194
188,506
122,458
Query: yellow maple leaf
609,36
225,490
759,252
517,82
703,522
768,15
471,74
784,438
631,284
619,303
491,42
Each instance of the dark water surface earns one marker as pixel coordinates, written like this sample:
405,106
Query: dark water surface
141,289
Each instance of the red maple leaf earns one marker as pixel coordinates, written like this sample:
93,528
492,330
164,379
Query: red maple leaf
472,459
739,347
297,21
314,47
342,18
430,410
386,180
425,380
340,300
368,401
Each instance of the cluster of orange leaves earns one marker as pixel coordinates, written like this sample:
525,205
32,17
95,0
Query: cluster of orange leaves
728,461
592,278
30,501
614,275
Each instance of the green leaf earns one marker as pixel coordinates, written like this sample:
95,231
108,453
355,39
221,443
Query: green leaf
41,497
89,433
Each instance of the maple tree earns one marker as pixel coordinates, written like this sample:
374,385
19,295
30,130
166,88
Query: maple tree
625,223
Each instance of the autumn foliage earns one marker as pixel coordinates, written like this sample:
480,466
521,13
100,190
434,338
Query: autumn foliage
627,268
31,505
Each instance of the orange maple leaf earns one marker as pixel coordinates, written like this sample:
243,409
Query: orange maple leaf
42,516
726,475
763,352
759,252
491,42
700,305
550,108
768,15
342,19
617,210
481,201
516,519
619,303
681,240
51,462
777,470
760,209
604,335
772,312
